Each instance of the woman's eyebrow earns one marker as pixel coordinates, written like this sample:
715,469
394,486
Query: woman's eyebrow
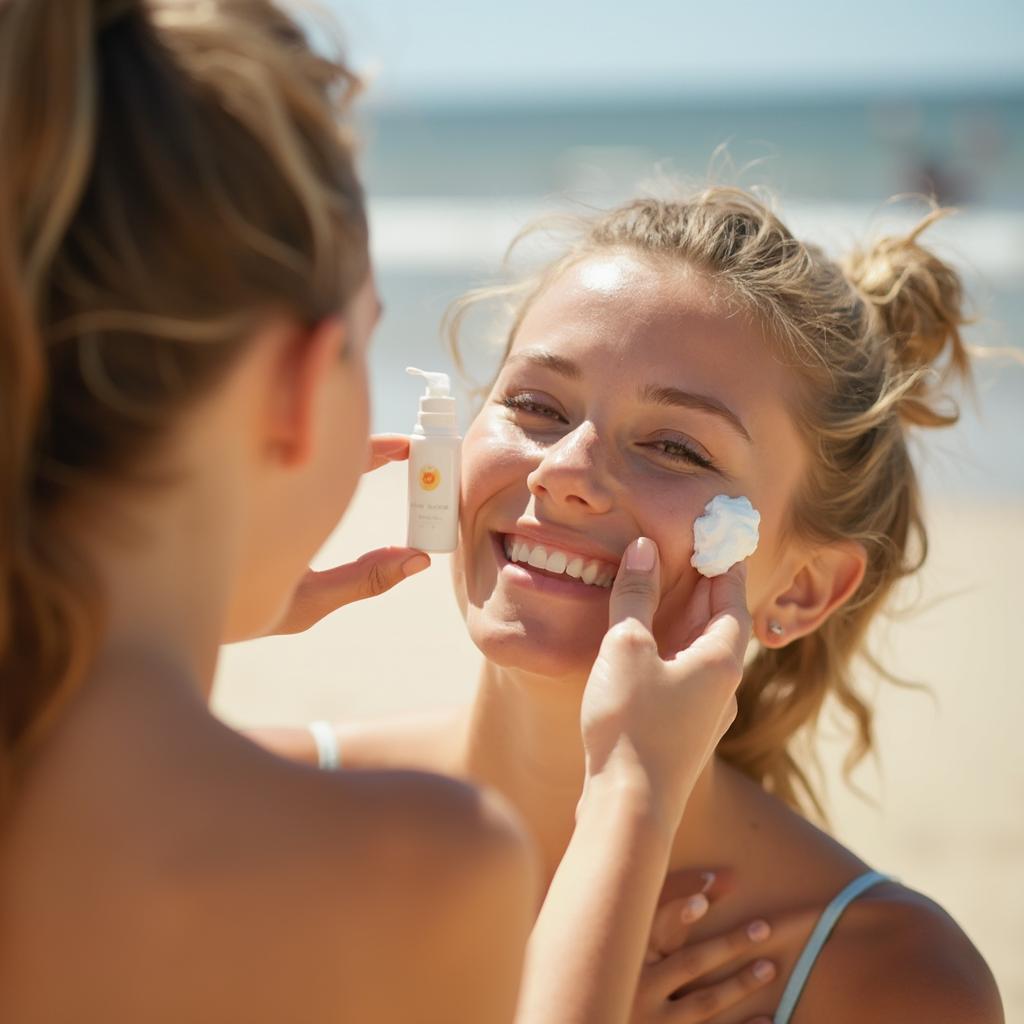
547,359
702,403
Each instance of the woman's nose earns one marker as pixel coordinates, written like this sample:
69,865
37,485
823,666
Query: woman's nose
573,472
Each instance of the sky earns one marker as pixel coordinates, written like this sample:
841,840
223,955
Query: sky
529,49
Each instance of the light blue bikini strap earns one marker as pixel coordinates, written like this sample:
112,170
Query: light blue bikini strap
795,985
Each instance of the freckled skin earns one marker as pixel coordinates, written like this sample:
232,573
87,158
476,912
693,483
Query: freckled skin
594,470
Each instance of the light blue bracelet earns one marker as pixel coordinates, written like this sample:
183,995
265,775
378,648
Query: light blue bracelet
326,744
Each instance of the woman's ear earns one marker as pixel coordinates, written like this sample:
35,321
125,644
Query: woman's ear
299,382
825,580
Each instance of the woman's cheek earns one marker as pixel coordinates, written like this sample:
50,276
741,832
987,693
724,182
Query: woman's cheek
496,460
677,509
493,495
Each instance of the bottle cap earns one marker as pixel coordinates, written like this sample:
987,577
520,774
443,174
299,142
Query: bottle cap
438,384
437,407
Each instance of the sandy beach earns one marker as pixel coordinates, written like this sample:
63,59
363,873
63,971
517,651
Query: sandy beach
947,795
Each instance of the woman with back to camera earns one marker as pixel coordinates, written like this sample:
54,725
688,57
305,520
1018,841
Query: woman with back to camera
678,350
187,300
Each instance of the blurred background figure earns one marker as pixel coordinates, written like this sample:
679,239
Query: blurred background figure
479,117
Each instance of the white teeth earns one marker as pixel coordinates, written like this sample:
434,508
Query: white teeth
557,561
539,558
591,573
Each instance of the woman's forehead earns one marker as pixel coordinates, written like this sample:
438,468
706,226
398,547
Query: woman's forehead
618,303
626,325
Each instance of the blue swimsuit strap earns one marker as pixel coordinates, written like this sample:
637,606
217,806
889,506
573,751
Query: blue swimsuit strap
798,978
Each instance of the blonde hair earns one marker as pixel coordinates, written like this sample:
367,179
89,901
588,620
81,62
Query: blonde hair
173,172
873,338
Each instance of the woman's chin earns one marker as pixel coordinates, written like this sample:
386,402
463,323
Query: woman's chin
540,649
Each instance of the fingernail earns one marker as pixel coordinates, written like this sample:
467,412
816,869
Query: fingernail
759,930
763,970
694,908
707,880
416,564
640,555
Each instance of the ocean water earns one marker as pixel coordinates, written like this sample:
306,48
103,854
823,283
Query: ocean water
970,148
449,189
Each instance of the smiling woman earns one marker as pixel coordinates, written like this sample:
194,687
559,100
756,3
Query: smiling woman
676,352
733,352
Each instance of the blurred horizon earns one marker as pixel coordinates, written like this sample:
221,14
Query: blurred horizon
682,94
538,52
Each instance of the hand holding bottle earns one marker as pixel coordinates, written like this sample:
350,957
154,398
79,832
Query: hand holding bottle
320,593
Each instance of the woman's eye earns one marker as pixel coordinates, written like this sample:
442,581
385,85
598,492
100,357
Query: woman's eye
679,451
530,405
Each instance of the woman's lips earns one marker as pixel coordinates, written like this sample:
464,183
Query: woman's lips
557,561
518,568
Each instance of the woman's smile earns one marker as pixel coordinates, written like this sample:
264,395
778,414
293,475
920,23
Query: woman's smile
535,557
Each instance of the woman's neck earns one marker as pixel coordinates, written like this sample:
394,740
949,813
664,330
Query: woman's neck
161,564
523,739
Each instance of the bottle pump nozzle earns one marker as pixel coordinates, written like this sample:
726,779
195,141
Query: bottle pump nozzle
438,384
437,407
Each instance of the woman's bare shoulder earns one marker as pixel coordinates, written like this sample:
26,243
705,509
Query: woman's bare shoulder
896,955
234,882
379,816
343,869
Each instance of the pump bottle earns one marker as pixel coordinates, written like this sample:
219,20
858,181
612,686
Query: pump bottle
435,450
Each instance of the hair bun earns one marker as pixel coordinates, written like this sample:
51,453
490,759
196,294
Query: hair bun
917,300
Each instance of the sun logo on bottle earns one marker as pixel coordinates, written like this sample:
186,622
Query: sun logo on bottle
430,477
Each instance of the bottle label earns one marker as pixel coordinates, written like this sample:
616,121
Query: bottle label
433,493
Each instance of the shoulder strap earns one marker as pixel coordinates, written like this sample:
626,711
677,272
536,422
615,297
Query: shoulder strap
328,750
831,914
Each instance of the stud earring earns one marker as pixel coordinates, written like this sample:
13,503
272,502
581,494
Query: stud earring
775,628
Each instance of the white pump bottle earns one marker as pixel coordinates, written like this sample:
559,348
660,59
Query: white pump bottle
435,450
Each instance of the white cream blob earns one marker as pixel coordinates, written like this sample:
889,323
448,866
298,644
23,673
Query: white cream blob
724,535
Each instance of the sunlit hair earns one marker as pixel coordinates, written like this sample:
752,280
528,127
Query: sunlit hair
872,339
172,173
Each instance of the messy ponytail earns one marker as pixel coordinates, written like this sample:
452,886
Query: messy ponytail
872,341
170,173
877,338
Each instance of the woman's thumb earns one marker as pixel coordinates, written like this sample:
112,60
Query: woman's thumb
637,587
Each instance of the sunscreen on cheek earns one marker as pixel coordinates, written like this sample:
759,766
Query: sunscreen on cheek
725,534
435,450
